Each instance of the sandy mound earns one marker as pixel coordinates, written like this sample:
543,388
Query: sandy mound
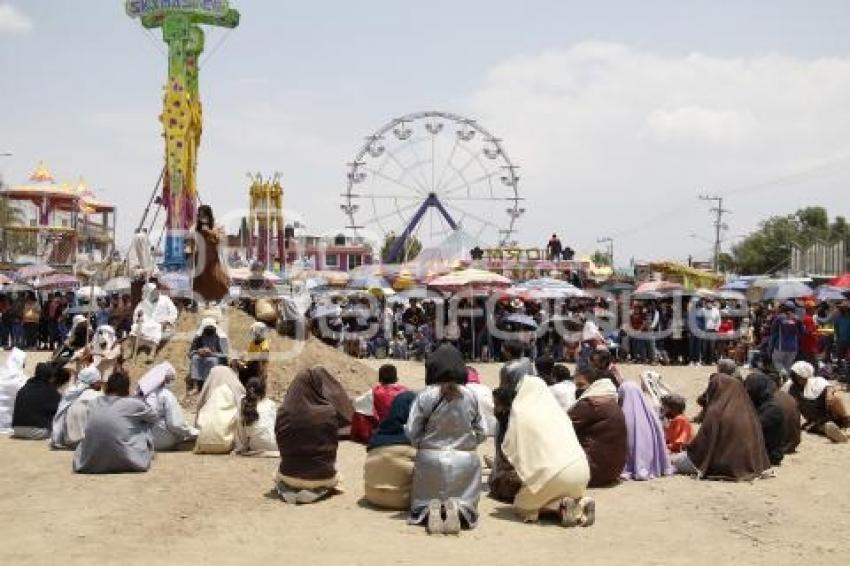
288,356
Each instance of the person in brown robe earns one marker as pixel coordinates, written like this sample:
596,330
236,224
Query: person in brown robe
601,428
211,281
791,413
730,443
308,426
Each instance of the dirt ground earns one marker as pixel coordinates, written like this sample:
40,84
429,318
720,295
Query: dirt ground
217,510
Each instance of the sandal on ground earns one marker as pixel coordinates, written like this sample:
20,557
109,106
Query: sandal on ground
588,511
435,525
452,522
569,512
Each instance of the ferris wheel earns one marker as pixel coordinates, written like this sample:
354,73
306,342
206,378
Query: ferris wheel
428,174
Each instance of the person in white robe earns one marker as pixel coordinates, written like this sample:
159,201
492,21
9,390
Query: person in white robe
170,431
255,433
12,378
105,350
153,319
69,422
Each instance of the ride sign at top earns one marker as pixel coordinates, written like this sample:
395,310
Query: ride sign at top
141,8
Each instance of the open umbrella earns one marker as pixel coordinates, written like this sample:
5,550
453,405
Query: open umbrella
829,293
469,278
15,288
842,281
658,287
117,285
176,282
368,282
57,281
86,293
737,285
522,320
784,290
4,280
34,271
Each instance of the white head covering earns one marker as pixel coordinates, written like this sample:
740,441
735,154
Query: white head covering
89,376
258,330
15,362
208,322
814,384
154,380
78,319
540,440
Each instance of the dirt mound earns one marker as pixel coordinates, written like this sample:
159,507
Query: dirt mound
288,356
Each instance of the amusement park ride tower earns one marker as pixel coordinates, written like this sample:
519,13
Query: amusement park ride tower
265,222
181,117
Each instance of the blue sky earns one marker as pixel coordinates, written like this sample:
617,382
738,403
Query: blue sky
619,113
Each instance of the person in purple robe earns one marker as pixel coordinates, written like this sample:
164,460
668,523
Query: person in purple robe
646,456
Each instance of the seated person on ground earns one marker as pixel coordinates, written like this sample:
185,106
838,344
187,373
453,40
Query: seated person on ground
255,428
541,445
219,406
678,432
729,444
210,348
761,389
118,432
446,427
388,472
563,387
170,432
373,406
820,403
36,404
485,400
12,378
69,423
313,415
646,455
601,428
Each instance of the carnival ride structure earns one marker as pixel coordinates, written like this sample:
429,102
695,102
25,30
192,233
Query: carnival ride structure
55,223
436,169
182,114
265,220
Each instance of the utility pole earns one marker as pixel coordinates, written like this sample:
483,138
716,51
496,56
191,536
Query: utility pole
610,242
718,211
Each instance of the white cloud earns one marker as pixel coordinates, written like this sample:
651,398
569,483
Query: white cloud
617,140
12,20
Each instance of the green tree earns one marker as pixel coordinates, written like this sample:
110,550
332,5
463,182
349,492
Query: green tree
601,258
412,247
768,249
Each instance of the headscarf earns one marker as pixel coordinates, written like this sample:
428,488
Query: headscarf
37,400
258,331
212,342
221,375
512,373
540,440
390,431
815,386
603,387
108,333
87,377
646,455
308,422
154,380
14,366
472,375
445,365
730,443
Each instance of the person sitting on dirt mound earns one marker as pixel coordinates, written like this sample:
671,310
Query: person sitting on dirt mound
153,320
730,443
446,427
210,348
314,413
36,404
601,428
388,472
820,403
373,406
541,445
170,432
118,433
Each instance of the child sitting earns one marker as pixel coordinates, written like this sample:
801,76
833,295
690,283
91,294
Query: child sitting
678,432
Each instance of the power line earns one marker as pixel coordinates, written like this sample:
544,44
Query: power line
718,211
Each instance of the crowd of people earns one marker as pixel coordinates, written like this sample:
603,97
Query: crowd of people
555,433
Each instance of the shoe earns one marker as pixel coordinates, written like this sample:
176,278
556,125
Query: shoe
588,511
834,433
435,525
451,526
569,512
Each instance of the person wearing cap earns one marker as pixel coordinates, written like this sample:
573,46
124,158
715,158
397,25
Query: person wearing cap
69,422
820,402
786,332
209,349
